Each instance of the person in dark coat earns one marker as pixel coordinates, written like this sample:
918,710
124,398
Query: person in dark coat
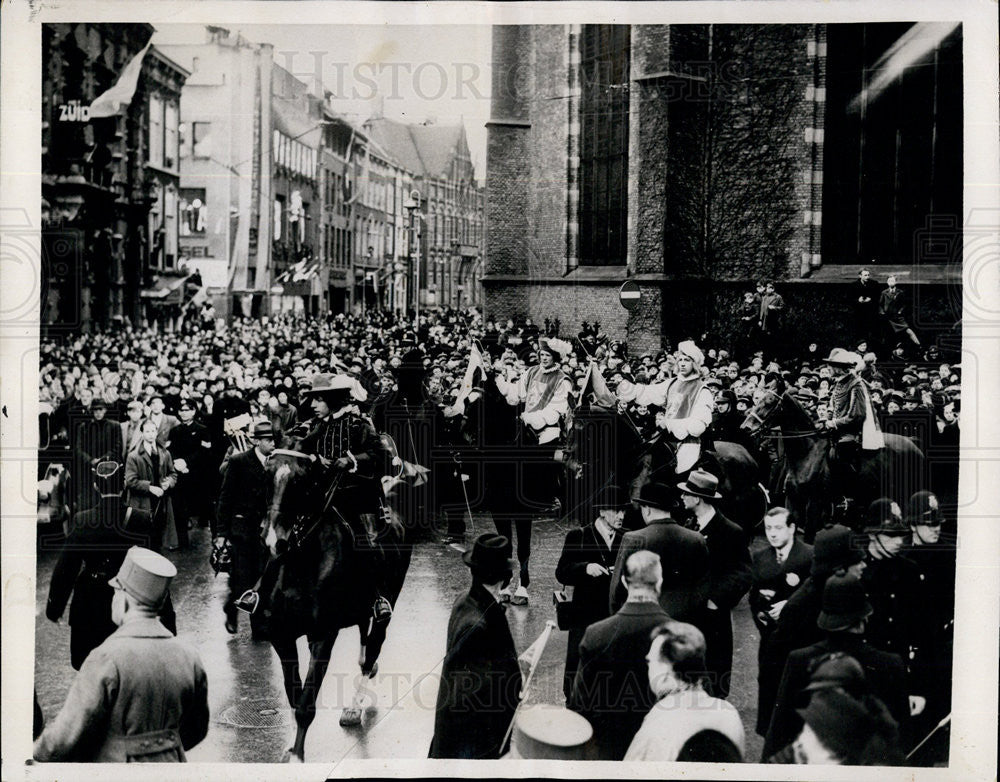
150,478
92,553
96,440
931,642
241,510
611,687
586,563
865,298
834,549
891,579
845,610
729,568
481,677
777,570
892,308
683,556
189,444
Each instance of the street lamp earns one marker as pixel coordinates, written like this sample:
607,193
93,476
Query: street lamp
412,205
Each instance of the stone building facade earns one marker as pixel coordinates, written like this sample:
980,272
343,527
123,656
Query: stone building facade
698,160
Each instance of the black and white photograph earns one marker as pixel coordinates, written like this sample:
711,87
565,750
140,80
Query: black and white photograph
399,384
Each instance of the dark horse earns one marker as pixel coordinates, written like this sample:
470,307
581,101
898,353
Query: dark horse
317,583
894,471
605,447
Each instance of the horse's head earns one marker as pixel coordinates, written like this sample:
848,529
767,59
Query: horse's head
294,492
763,412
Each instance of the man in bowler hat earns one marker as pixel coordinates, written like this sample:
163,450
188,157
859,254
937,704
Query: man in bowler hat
683,554
481,678
586,564
142,695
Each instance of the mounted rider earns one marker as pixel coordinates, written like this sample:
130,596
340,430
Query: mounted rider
347,446
687,404
852,420
543,389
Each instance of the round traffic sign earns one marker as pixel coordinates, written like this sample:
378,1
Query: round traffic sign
629,295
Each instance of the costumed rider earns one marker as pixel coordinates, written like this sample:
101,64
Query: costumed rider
687,404
852,420
543,389
346,444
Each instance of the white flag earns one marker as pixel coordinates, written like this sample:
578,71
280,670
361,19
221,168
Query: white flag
109,102
475,361
533,653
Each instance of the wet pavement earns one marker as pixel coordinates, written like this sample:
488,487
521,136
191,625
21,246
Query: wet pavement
250,718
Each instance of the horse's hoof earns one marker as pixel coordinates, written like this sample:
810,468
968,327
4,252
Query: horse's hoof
290,757
373,672
350,718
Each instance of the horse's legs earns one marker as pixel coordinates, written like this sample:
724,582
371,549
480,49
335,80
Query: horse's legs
305,708
524,548
504,525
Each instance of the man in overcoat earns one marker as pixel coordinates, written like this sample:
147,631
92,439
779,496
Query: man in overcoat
683,555
142,695
92,553
481,677
586,564
241,510
777,570
611,687
729,568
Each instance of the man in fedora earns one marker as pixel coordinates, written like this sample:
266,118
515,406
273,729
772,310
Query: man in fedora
587,559
240,513
852,422
93,551
683,554
686,403
481,677
730,575
845,612
142,695
348,447
610,687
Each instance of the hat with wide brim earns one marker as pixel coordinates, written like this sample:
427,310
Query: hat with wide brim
557,347
325,383
844,358
701,484
490,554
657,495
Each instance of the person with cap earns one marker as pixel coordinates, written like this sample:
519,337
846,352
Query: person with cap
729,575
684,708
189,444
546,732
96,440
835,549
347,446
480,678
842,722
771,306
852,421
932,638
890,578
131,427
142,695
150,478
686,404
92,552
777,570
843,618
683,554
610,687
241,512
164,421
587,558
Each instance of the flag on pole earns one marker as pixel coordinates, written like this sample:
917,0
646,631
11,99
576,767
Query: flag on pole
594,383
109,102
533,653
476,361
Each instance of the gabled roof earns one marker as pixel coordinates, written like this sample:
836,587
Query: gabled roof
425,150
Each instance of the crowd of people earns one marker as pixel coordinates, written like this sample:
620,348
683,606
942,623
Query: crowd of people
166,432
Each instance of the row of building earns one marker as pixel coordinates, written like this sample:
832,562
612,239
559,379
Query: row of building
225,178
